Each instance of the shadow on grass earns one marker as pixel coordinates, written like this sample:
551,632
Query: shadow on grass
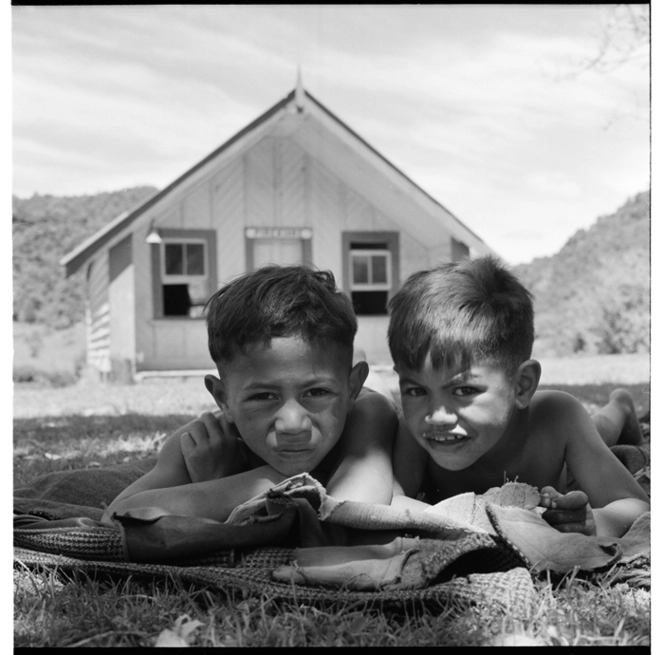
58,443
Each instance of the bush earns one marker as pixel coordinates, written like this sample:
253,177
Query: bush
31,374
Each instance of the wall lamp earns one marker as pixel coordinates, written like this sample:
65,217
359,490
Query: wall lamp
153,235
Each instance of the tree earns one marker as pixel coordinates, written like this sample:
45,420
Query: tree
625,38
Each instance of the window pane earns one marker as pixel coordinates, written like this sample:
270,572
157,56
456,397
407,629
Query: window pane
360,270
173,258
176,300
368,245
370,303
379,269
195,259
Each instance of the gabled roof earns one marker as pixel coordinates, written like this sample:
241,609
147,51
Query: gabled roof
294,101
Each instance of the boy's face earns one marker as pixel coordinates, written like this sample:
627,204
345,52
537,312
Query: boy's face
457,415
289,401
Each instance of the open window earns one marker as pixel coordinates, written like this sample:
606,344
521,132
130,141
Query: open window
371,274
184,277
184,272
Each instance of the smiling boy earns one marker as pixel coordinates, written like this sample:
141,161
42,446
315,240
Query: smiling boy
461,337
290,401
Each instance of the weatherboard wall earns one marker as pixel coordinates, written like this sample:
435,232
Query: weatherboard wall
274,184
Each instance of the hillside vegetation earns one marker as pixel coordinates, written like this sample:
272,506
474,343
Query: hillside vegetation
44,228
593,296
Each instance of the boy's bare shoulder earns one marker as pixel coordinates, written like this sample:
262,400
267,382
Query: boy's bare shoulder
554,400
374,400
374,415
555,410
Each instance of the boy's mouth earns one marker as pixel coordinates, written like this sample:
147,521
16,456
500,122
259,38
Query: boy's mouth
294,453
446,438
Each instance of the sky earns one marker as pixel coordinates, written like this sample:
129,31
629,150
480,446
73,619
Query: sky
486,107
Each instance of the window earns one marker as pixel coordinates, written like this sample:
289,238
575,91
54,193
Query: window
184,278
184,270
371,270
184,259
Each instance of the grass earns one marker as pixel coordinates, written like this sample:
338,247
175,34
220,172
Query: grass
77,427
53,609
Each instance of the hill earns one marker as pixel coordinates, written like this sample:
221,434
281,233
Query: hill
593,296
44,228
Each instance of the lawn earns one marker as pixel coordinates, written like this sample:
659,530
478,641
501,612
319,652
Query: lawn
94,426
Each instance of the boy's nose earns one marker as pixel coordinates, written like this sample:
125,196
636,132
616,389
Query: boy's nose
440,416
292,419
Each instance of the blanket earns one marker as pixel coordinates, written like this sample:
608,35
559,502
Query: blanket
482,549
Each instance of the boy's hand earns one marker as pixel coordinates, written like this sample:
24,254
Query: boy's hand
568,512
212,448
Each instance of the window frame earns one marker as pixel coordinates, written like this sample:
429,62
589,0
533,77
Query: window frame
157,254
350,238
168,278
371,285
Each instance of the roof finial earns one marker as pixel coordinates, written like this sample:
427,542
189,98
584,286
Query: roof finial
299,91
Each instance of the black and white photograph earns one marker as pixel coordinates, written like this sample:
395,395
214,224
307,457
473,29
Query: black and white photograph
331,325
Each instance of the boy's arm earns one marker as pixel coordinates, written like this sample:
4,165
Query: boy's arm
615,497
212,499
409,461
169,471
364,469
168,486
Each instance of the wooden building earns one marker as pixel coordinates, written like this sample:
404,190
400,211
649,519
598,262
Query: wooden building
297,185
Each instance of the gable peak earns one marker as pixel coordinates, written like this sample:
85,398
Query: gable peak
299,91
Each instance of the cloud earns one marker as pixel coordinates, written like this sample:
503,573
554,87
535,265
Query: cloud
470,101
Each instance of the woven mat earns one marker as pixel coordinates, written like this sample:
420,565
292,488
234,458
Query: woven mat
480,549
250,572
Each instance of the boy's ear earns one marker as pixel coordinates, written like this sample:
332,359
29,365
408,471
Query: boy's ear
216,389
526,380
358,374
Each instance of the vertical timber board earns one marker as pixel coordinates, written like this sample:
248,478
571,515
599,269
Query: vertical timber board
325,210
290,190
259,185
229,211
196,207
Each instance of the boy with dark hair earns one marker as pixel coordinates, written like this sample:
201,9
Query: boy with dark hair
290,401
461,338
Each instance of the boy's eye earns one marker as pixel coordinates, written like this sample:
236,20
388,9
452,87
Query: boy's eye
263,395
464,391
414,392
318,392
